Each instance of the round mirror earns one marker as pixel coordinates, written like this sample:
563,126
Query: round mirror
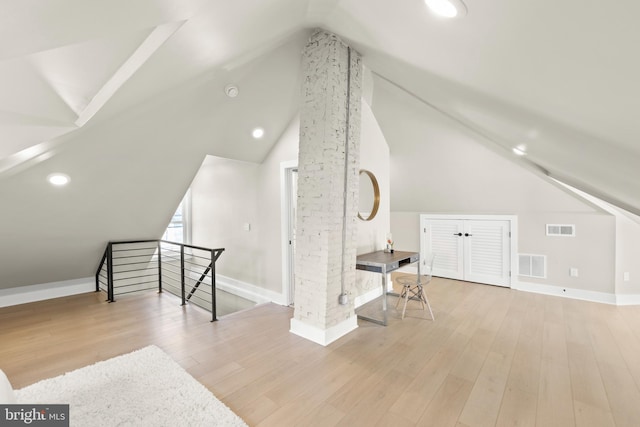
369,197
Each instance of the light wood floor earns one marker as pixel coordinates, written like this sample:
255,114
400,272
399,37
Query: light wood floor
493,357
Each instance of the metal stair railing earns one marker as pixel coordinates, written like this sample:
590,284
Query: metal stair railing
187,271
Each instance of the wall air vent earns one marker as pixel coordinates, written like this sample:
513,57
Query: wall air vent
563,230
532,265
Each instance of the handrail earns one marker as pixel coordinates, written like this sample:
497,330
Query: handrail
129,278
129,242
191,246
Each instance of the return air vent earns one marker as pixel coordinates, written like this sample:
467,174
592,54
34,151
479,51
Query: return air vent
532,265
564,230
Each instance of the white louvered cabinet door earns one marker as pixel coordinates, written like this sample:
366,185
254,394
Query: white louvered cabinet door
468,249
486,252
444,238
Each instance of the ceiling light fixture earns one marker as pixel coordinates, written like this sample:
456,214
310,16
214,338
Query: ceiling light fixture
519,150
58,179
447,8
231,90
258,133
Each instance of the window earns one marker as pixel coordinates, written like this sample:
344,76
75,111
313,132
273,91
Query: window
179,229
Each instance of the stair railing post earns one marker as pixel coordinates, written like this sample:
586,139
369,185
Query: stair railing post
213,286
110,294
159,267
182,273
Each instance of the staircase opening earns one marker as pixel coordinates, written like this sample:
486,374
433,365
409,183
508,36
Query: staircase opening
186,271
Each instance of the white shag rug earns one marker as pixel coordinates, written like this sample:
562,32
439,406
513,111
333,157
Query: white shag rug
143,388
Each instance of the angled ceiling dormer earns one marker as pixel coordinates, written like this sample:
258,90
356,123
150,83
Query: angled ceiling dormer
51,92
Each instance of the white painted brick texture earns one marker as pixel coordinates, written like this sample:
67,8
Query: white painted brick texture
321,174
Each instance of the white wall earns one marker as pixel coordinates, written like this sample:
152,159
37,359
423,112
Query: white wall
592,251
270,227
437,166
374,157
627,246
130,171
627,254
227,193
434,168
223,198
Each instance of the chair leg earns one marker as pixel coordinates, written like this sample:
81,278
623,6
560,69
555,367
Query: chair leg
421,296
401,296
406,299
428,305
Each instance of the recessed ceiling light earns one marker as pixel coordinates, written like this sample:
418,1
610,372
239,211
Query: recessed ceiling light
447,8
519,150
231,90
58,179
258,133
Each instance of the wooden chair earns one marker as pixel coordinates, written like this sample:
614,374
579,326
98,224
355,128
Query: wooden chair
413,287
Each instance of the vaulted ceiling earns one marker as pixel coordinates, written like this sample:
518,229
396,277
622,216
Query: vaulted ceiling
558,79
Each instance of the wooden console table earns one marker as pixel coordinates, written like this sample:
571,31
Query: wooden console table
383,263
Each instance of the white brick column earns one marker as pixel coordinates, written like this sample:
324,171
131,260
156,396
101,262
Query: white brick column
332,78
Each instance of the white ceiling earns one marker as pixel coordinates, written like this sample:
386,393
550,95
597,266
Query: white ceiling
559,77
87,86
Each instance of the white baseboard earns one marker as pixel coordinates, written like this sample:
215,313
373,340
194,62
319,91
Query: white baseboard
628,299
320,336
44,291
245,290
361,300
376,292
581,294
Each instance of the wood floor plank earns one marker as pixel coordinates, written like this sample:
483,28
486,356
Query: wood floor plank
324,415
590,416
518,408
627,342
555,401
604,345
494,356
412,402
554,344
391,419
374,402
586,380
446,406
622,392
483,404
256,410
525,367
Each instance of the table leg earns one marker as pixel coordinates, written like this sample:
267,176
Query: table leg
384,295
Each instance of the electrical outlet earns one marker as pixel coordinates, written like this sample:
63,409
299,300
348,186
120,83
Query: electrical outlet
246,226
573,272
626,276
